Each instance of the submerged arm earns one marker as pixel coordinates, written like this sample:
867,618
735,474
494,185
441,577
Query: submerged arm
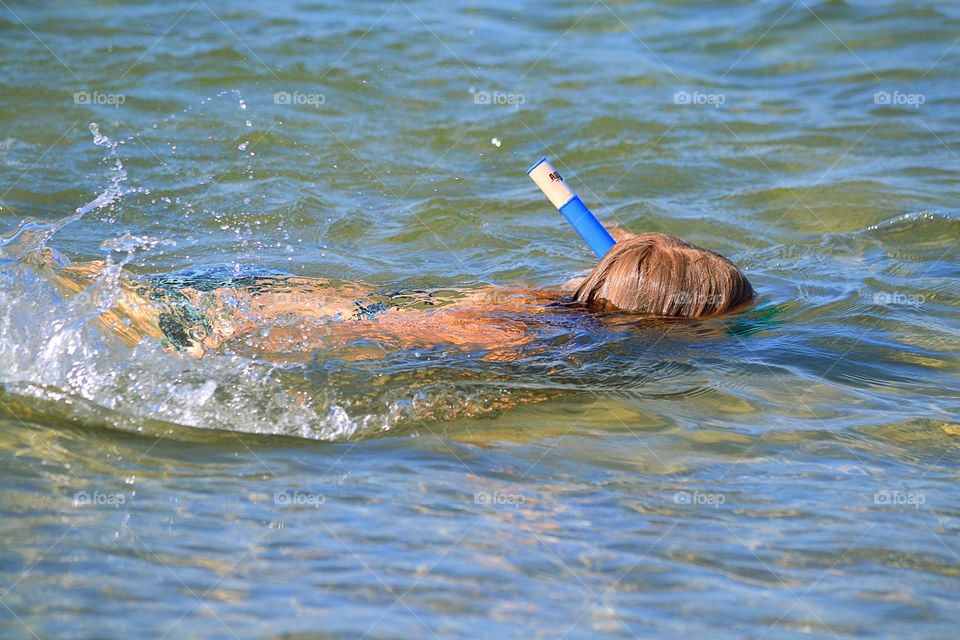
131,315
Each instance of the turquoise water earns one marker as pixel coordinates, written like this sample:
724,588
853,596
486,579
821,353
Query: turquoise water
785,473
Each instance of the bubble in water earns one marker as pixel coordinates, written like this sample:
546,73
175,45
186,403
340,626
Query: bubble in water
243,146
495,142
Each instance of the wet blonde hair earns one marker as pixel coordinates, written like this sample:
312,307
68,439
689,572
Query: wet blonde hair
657,274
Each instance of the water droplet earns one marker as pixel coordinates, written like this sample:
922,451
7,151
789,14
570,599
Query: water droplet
98,138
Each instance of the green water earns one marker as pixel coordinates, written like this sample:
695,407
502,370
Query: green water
784,473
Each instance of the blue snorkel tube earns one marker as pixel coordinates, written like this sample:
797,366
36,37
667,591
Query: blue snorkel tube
571,206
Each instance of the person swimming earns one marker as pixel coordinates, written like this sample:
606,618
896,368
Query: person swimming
647,275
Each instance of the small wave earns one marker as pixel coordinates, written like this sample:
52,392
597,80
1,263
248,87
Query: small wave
920,220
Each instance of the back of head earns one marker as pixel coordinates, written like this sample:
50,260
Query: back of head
660,275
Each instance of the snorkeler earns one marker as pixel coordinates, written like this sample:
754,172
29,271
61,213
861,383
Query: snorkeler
649,274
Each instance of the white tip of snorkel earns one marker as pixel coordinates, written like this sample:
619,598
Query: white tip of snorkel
550,182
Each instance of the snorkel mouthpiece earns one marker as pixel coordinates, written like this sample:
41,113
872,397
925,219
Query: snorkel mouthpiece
571,206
